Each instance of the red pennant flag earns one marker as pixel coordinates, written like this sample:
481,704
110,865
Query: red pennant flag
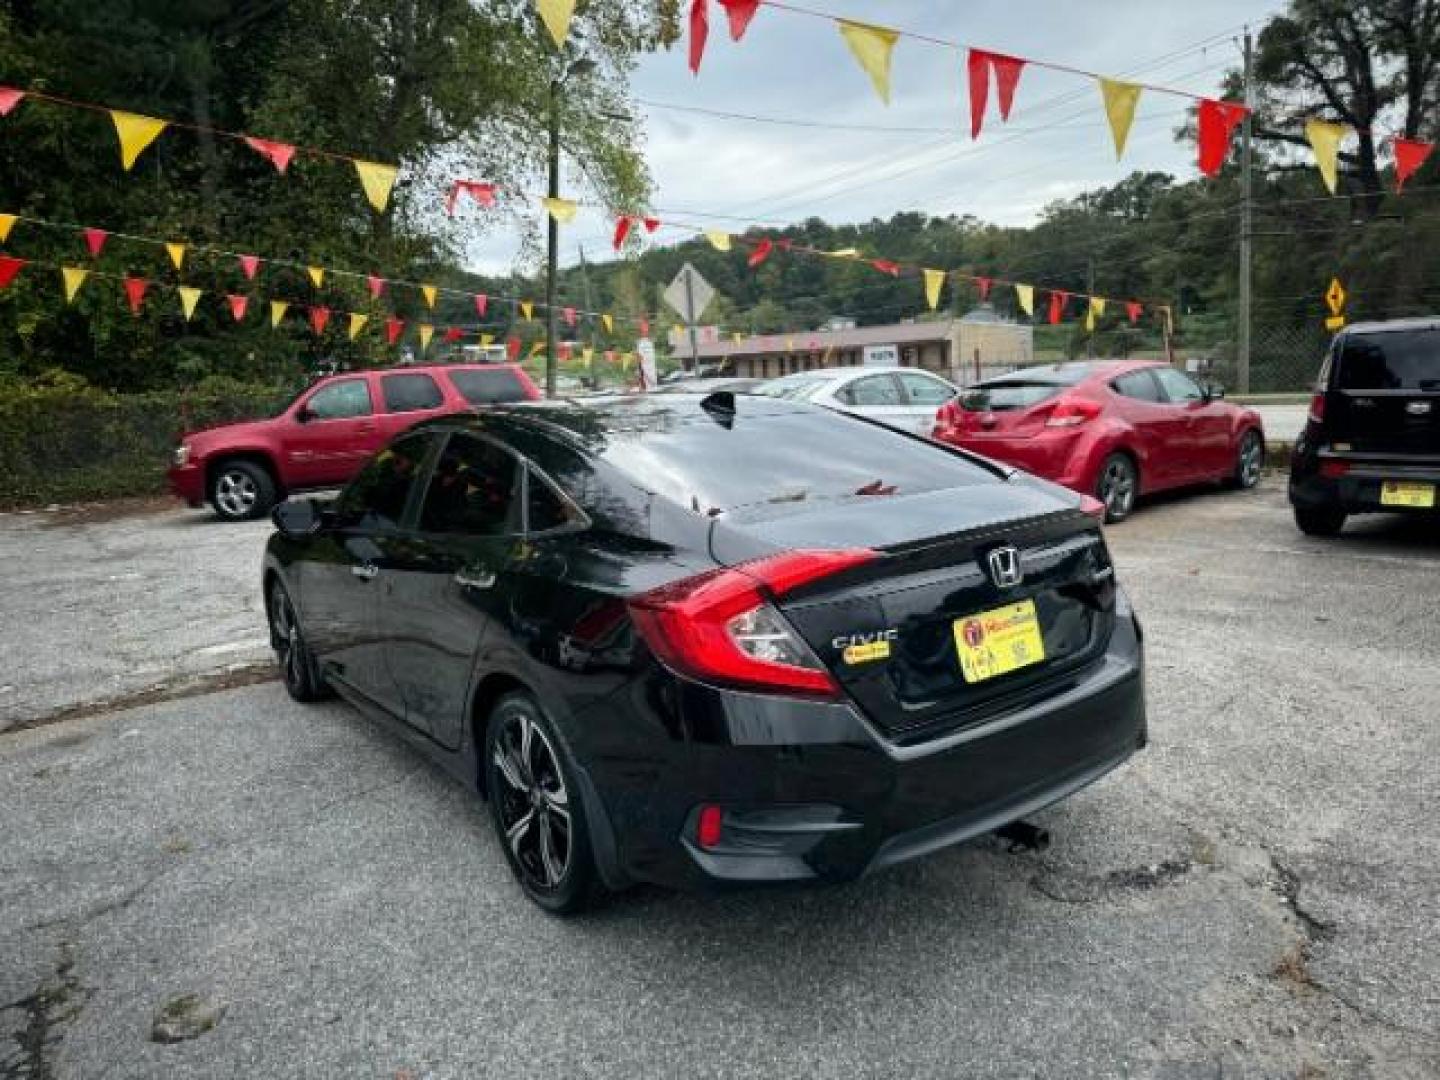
481,303
482,193
760,254
699,31
739,12
1217,123
249,265
622,230
319,316
453,334
9,98
1007,77
569,314
9,267
238,304
562,351
1133,309
651,223
377,285
984,285
644,327
279,153
1058,298
885,266
1409,156
135,292
393,326
512,349
95,241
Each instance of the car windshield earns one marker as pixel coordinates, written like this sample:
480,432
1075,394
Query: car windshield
792,387
714,468
1397,360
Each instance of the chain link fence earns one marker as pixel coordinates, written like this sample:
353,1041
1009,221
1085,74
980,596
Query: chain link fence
1284,358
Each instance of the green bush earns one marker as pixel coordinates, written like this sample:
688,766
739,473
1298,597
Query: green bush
63,440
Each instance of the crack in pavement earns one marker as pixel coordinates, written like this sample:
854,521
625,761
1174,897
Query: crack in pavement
56,1001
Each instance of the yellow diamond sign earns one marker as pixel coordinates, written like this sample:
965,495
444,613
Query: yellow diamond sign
1335,297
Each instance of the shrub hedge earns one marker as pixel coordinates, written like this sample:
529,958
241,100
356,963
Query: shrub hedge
63,440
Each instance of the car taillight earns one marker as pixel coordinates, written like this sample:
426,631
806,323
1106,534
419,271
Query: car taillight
720,627
1333,470
1317,407
1068,412
709,825
1092,507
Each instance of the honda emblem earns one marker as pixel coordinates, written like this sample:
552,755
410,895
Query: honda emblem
1005,567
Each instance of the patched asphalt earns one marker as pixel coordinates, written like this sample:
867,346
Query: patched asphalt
1257,894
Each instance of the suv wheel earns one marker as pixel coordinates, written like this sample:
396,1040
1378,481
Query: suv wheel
1117,486
241,491
536,808
1319,520
298,666
1249,460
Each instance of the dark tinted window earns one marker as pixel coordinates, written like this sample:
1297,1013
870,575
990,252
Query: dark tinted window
1177,387
873,391
1140,385
546,509
488,387
376,497
340,400
472,490
777,458
410,392
1399,360
1005,396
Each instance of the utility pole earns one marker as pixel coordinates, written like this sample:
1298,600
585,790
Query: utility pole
552,252
1242,330
589,307
1090,279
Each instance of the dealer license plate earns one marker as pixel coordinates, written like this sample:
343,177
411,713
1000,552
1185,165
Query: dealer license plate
1407,493
999,641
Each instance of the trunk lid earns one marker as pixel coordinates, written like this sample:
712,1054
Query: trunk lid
1011,408
1384,393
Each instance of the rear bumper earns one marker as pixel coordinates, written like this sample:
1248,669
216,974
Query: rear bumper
811,792
187,482
1357,491
1057,454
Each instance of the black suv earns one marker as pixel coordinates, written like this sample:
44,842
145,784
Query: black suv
1373,437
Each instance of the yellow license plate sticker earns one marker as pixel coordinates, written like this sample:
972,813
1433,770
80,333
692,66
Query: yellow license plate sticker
996,642
1407,493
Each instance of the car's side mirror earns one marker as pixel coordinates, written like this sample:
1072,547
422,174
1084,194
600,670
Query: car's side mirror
303,415
1214,392
298,517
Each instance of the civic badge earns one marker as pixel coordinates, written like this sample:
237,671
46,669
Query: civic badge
1005,567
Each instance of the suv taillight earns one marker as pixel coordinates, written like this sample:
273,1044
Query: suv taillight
721,628
1069,412
1317,407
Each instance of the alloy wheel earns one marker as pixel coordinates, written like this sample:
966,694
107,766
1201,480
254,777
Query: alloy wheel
533,803
285,631
1117,487
235,493
1252,457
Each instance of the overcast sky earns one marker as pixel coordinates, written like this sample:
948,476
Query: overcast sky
792,67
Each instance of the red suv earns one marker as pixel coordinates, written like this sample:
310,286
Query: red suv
328,432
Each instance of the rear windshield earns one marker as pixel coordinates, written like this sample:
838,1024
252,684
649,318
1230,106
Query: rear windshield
1002,397
1399,360
785,458
792,387
488,387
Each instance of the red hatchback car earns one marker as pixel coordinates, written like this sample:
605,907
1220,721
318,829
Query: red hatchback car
1115,430
328,432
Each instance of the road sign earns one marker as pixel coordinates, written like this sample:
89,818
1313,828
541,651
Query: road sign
1335,322
1335,297
689,294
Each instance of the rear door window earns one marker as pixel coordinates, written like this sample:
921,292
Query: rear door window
1397,360
491,387
873,392
410,392
923,390
472,490
1139,385
340,400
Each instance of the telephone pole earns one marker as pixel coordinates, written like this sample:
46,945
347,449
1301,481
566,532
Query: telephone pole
1242,330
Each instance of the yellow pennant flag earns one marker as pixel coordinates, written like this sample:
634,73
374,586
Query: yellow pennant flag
871,46
1325,141
1097,305
587,354
426,332
486,340
609,321
317,275
74,277
934,279
720,241
428,291
536,349
136,133
377,180
562,210
357,323
1120,101
189,297
1025,296
7,222
738,338
556,14
277,312
843,253
176,253
1090,320
527,310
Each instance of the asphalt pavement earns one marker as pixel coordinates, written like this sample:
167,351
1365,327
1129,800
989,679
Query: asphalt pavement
1257,894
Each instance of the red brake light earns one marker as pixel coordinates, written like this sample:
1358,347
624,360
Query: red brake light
1070,411
709,825
719,627
1092,507
1317,406
1333,470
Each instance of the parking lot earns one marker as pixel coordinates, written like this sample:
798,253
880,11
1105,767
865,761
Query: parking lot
1257,894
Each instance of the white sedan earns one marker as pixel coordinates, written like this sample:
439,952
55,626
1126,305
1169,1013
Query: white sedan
904,398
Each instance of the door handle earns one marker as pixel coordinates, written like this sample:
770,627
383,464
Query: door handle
481,579
365,571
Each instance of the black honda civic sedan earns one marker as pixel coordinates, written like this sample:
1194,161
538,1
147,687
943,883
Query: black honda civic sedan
714,640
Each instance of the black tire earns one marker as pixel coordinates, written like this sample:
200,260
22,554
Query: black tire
1249,461
241,490
298,667
536,807
1118,486
1320,520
